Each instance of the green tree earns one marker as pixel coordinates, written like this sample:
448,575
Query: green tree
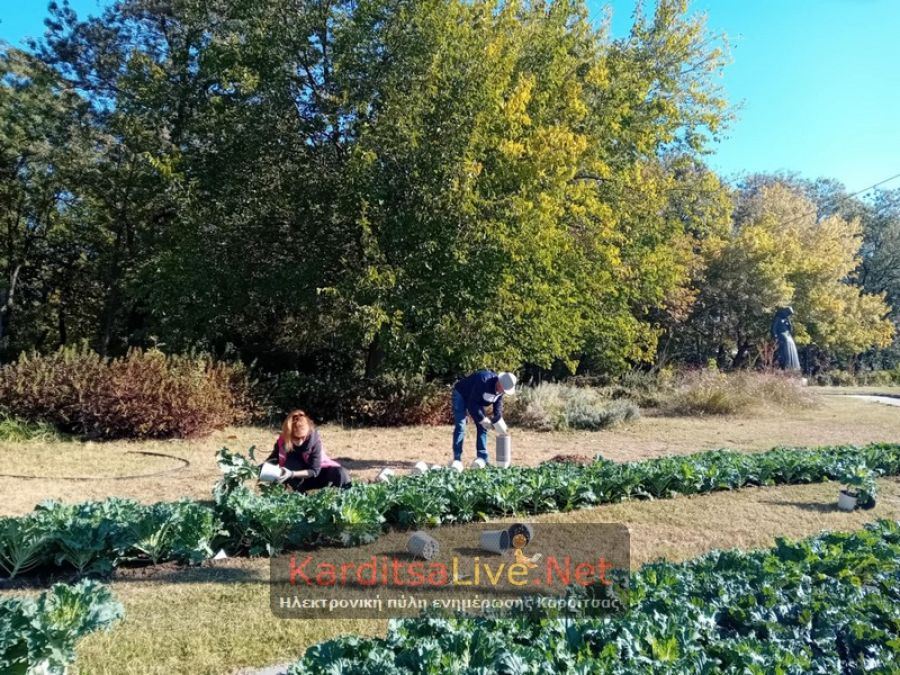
393,184
780,253
46,144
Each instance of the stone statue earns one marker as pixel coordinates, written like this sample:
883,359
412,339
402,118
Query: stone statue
783,332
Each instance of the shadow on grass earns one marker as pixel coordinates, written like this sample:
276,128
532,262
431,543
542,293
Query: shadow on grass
817,507
233,570
364,464
224,572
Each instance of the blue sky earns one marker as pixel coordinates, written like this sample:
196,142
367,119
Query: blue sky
817,81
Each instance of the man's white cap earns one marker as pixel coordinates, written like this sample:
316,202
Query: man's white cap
508,382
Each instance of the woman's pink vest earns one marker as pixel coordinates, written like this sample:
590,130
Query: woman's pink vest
324,462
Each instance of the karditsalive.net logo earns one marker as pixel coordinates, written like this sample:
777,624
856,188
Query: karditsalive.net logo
385,571
464,568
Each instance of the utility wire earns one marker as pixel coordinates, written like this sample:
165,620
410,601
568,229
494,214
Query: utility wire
842,199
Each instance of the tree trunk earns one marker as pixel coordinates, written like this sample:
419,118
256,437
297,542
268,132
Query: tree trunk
374,357
7,300
740,359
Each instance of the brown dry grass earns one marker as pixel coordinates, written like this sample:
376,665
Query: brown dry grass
215,620
365,451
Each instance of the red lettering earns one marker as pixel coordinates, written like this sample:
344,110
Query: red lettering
372,568
584,572
300,571
565,576
604,566
327,575
417,572
438,576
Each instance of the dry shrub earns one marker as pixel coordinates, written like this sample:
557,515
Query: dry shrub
711,392
863,378
388,400
141,395
556,407
398,402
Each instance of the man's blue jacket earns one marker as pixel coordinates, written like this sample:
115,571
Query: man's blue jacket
478,390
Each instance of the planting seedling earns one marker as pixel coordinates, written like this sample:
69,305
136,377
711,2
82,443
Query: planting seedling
859,489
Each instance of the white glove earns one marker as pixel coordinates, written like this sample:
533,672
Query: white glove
486,424
285,476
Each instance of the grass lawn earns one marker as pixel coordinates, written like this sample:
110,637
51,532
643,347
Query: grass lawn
216,619
834,420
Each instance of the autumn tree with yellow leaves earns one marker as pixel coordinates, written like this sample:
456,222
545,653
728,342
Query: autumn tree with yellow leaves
779,253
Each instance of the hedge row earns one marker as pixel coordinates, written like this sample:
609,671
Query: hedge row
141,395
96,536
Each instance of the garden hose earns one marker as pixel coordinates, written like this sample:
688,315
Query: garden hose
184,464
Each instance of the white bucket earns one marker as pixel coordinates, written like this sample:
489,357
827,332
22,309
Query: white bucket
496,541
422,546
385,475
270,472
501,428
846,502
523,531
478,464
504,451
456,465
419,469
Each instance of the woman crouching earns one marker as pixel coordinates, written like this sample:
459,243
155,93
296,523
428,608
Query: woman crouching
299,451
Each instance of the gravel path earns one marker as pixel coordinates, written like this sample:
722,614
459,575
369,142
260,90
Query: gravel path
889,400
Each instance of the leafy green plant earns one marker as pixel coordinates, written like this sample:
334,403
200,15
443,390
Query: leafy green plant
183,531
236,470
39,635
14,430
353,516
94,537
23,545
821,605
859,482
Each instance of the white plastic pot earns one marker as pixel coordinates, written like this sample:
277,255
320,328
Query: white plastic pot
437,467
420,468
385,475
270,473
504,451
421,545
496,541
456,465
478,464
501,428
846,501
